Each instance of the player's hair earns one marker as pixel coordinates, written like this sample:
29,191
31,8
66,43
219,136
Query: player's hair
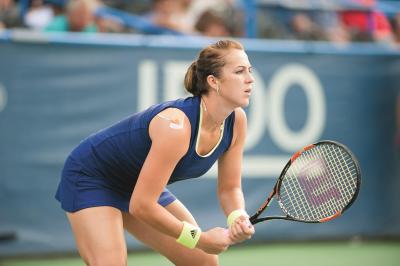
209,62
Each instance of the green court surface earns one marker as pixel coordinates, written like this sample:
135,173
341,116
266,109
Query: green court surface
298,254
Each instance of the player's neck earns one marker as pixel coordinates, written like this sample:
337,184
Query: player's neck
213,113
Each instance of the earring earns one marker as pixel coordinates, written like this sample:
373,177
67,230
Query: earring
218,89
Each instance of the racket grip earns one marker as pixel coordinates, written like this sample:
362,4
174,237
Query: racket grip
253,219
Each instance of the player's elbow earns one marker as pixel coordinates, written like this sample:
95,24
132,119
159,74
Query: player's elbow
229,194
139,209
229,191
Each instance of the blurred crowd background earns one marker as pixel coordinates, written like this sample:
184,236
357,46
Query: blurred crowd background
338,21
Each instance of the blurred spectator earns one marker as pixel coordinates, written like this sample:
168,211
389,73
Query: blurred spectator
234,18
304,28
228,10
274,23
9,14
38,16
396,28
331,25
211,24
41,12
172,14
225,19
367,25
79,17
106,24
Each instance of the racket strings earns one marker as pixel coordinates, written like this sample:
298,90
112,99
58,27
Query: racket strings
301,207
315,187
298,203
292,195
319,183
348,168
330,183
335,174
335,202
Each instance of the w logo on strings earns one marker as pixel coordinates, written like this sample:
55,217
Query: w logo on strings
317,184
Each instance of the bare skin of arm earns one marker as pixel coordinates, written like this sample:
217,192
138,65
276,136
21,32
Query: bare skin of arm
229,180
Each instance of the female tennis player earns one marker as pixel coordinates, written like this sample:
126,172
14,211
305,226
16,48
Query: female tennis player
116,178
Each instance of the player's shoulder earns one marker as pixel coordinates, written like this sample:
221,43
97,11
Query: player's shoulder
170,124
240,127
240,116
173,114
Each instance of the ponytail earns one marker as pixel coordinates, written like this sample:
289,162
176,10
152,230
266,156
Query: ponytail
191,79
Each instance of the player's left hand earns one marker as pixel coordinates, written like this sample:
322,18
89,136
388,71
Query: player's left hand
241,229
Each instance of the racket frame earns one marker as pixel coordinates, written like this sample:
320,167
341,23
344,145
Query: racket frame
254,219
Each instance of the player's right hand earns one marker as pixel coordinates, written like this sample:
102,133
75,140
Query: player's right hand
214,241
241,229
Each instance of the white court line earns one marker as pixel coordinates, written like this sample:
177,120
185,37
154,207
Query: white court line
257,167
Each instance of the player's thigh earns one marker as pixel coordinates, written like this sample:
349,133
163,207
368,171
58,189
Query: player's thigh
167,245
99,235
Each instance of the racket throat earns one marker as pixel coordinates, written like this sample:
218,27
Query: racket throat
254,219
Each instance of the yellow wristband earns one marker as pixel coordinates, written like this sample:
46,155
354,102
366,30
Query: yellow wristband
234,215
189,236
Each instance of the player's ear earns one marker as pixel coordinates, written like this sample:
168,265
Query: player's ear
212,82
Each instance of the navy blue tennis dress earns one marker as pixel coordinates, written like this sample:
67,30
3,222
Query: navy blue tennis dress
103,169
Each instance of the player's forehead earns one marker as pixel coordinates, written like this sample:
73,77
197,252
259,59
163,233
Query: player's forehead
235,58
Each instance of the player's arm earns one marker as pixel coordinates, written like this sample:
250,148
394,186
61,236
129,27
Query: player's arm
170,135
229,181
230,166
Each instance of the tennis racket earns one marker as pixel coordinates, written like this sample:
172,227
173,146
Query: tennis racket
318,184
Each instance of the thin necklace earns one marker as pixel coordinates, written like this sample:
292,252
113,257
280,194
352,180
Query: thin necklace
216,124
